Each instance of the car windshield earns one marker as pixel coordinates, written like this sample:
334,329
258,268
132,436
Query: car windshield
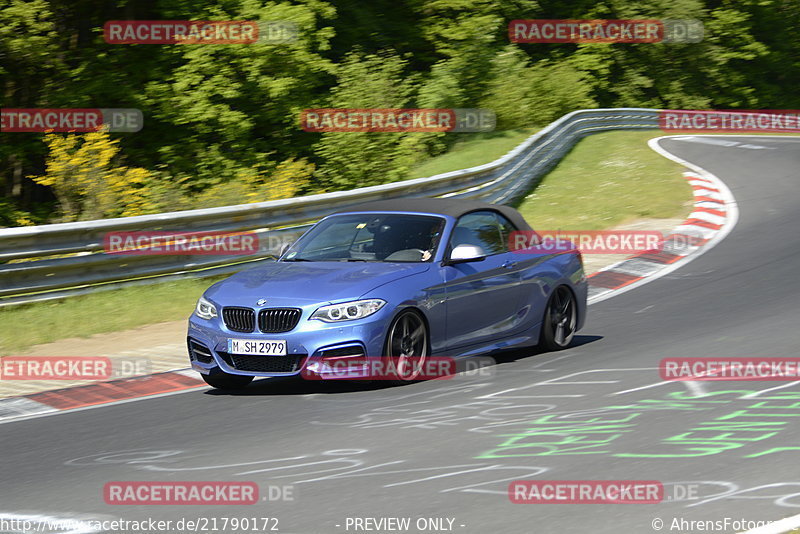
386,237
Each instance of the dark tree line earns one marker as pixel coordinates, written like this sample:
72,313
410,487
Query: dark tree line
221,120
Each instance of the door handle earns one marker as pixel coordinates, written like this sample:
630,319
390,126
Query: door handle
509,264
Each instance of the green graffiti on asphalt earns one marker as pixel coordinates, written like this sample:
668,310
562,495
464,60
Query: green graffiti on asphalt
603,430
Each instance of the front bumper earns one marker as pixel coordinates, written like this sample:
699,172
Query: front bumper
307,344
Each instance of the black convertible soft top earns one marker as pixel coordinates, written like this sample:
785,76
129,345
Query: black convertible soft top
444,206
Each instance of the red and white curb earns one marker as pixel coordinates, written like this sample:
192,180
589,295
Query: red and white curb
714,215
100,393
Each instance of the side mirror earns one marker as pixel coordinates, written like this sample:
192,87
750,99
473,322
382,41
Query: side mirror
467,253
284,248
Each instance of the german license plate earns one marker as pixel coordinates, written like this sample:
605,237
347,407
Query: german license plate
256,347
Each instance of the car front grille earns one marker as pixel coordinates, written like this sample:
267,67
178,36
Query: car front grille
275,320
199,352
264,364
239,319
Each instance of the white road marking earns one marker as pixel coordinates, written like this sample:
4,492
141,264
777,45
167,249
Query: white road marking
692,139
695,388
640,388
729,144
757,393
757,147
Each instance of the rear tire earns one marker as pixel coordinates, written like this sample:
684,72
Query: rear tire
227,381
560,320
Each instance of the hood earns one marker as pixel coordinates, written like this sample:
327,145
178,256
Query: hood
298,283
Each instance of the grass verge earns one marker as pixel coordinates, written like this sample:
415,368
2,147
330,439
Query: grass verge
474,150
607,179
96,313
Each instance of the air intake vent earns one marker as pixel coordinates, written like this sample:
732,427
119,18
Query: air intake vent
199,352
290,363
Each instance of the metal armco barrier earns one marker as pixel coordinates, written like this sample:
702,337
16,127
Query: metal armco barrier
58,260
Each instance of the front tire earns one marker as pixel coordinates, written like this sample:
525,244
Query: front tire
407,347
560,320
227,381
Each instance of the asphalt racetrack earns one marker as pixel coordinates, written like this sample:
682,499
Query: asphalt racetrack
447,450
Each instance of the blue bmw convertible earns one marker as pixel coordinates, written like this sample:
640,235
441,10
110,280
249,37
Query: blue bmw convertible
397,281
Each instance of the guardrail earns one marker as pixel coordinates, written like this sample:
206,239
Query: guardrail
58,260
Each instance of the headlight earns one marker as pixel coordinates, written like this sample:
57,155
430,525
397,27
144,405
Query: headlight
347,311
205,310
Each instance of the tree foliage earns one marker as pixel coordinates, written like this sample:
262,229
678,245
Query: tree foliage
222,121
82,173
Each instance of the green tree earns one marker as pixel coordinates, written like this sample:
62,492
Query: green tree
523,95
231,107
353,159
